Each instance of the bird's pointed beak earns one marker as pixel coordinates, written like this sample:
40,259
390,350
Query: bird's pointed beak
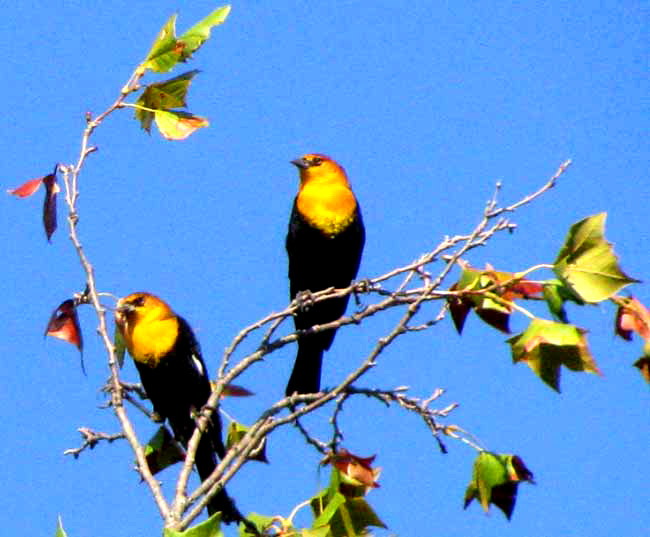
300,163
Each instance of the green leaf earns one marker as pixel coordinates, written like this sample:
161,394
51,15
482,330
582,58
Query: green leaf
60,532
120,347
342,513
207,528
494,480
200,32
326,508
167,50
163,96
178,125
587,263
261,522
163,54
546,345
162,451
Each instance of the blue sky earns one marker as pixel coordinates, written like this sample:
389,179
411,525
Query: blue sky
427,106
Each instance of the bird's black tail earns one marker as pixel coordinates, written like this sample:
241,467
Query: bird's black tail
305,377
206,462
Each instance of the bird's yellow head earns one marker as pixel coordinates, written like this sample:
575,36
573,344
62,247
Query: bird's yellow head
325,197
320,168
148,326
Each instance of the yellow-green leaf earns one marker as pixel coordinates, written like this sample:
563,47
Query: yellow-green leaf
164,52
167,50
178,125
546,345
587,263
163,96
200,32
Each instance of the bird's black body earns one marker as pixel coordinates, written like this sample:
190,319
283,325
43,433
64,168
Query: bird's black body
318,261
178,388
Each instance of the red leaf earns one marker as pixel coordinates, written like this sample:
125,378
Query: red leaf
64,324
26,189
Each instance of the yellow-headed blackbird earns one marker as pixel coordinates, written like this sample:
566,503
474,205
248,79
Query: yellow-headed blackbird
324,243
173,374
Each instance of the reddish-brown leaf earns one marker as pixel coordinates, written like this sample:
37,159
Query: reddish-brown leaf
26,189
64,324
358,469
632,316
49,205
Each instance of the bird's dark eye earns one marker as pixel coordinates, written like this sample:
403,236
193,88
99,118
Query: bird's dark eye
316,161
138,302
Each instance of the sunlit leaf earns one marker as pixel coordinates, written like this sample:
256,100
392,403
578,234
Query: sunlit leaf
495,478
163,54
546,345
178,125
587,263
193,38
162,451
167,50
163,96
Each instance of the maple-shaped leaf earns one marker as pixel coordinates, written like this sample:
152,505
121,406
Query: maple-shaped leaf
167,50
175,125
546,345
163,96
236,432
495,478
162,451
357,474
587,263
632,316
49,205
